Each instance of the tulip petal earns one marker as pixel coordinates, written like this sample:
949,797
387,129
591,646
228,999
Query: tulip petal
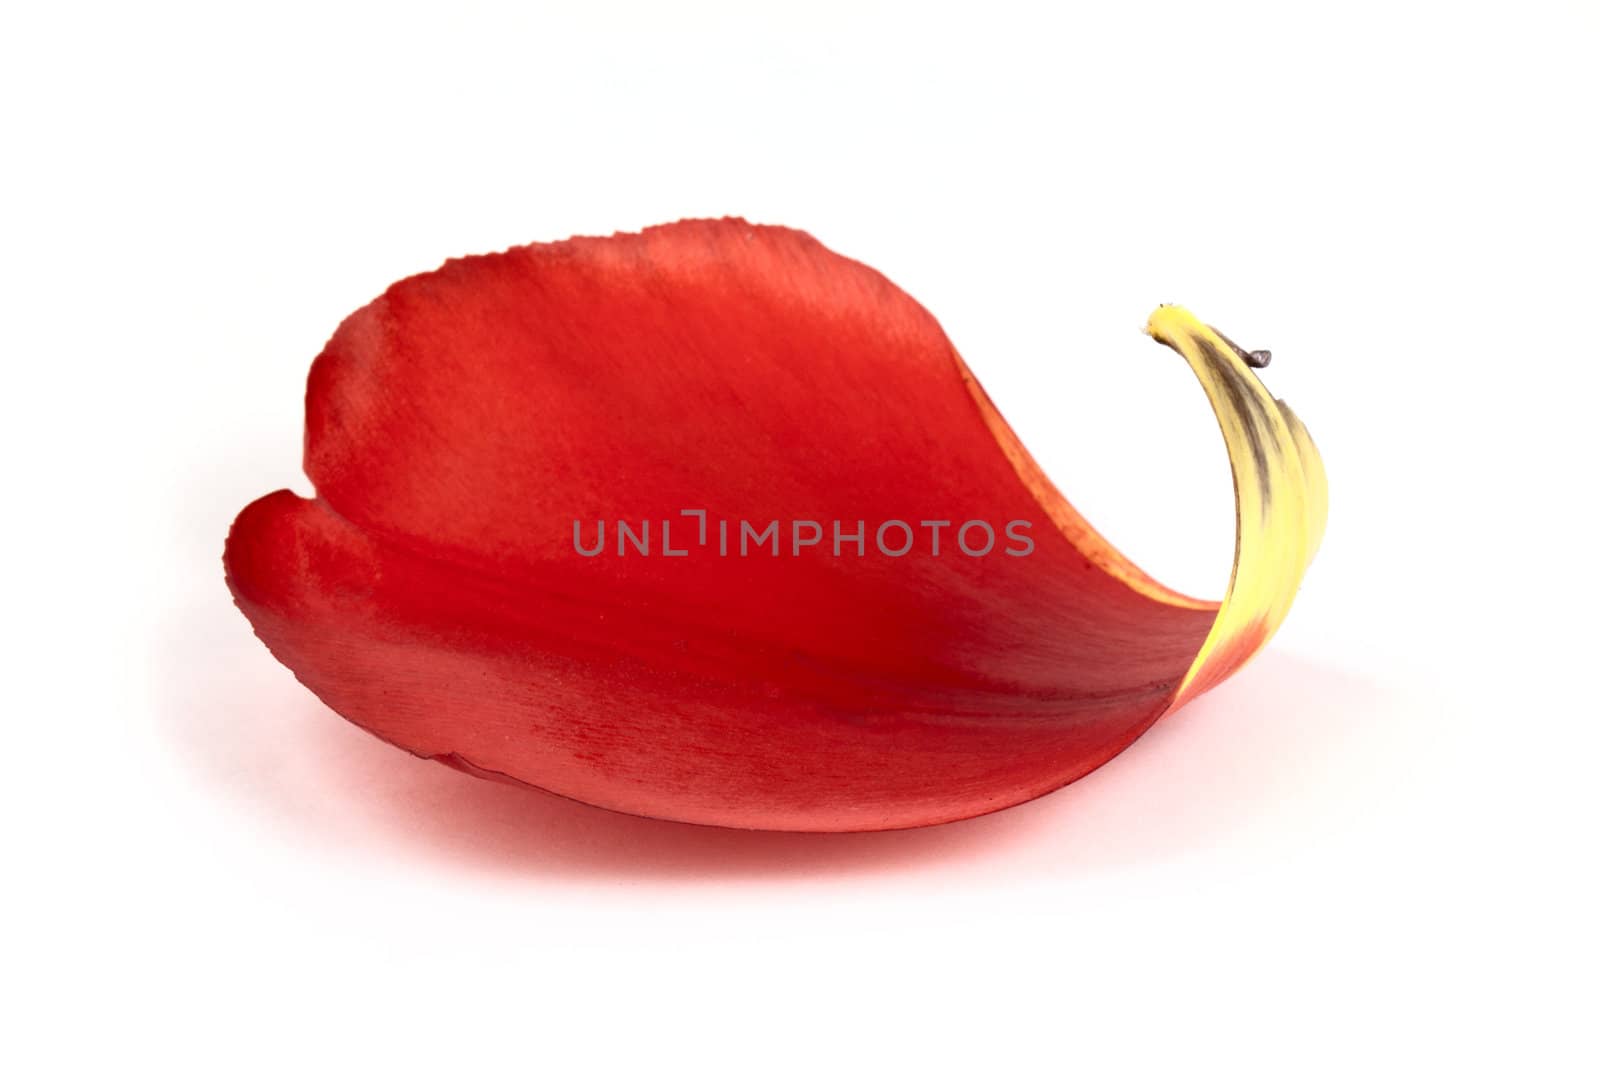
459,426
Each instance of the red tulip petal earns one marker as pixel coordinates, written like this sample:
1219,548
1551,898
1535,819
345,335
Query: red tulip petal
458,425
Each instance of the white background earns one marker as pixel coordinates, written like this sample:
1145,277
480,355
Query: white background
1375,845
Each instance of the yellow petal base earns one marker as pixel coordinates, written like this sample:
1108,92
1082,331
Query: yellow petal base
1280,492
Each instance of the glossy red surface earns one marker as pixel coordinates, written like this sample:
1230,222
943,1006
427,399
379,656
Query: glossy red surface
460,424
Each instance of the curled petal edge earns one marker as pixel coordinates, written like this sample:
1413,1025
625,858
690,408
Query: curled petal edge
1280,494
